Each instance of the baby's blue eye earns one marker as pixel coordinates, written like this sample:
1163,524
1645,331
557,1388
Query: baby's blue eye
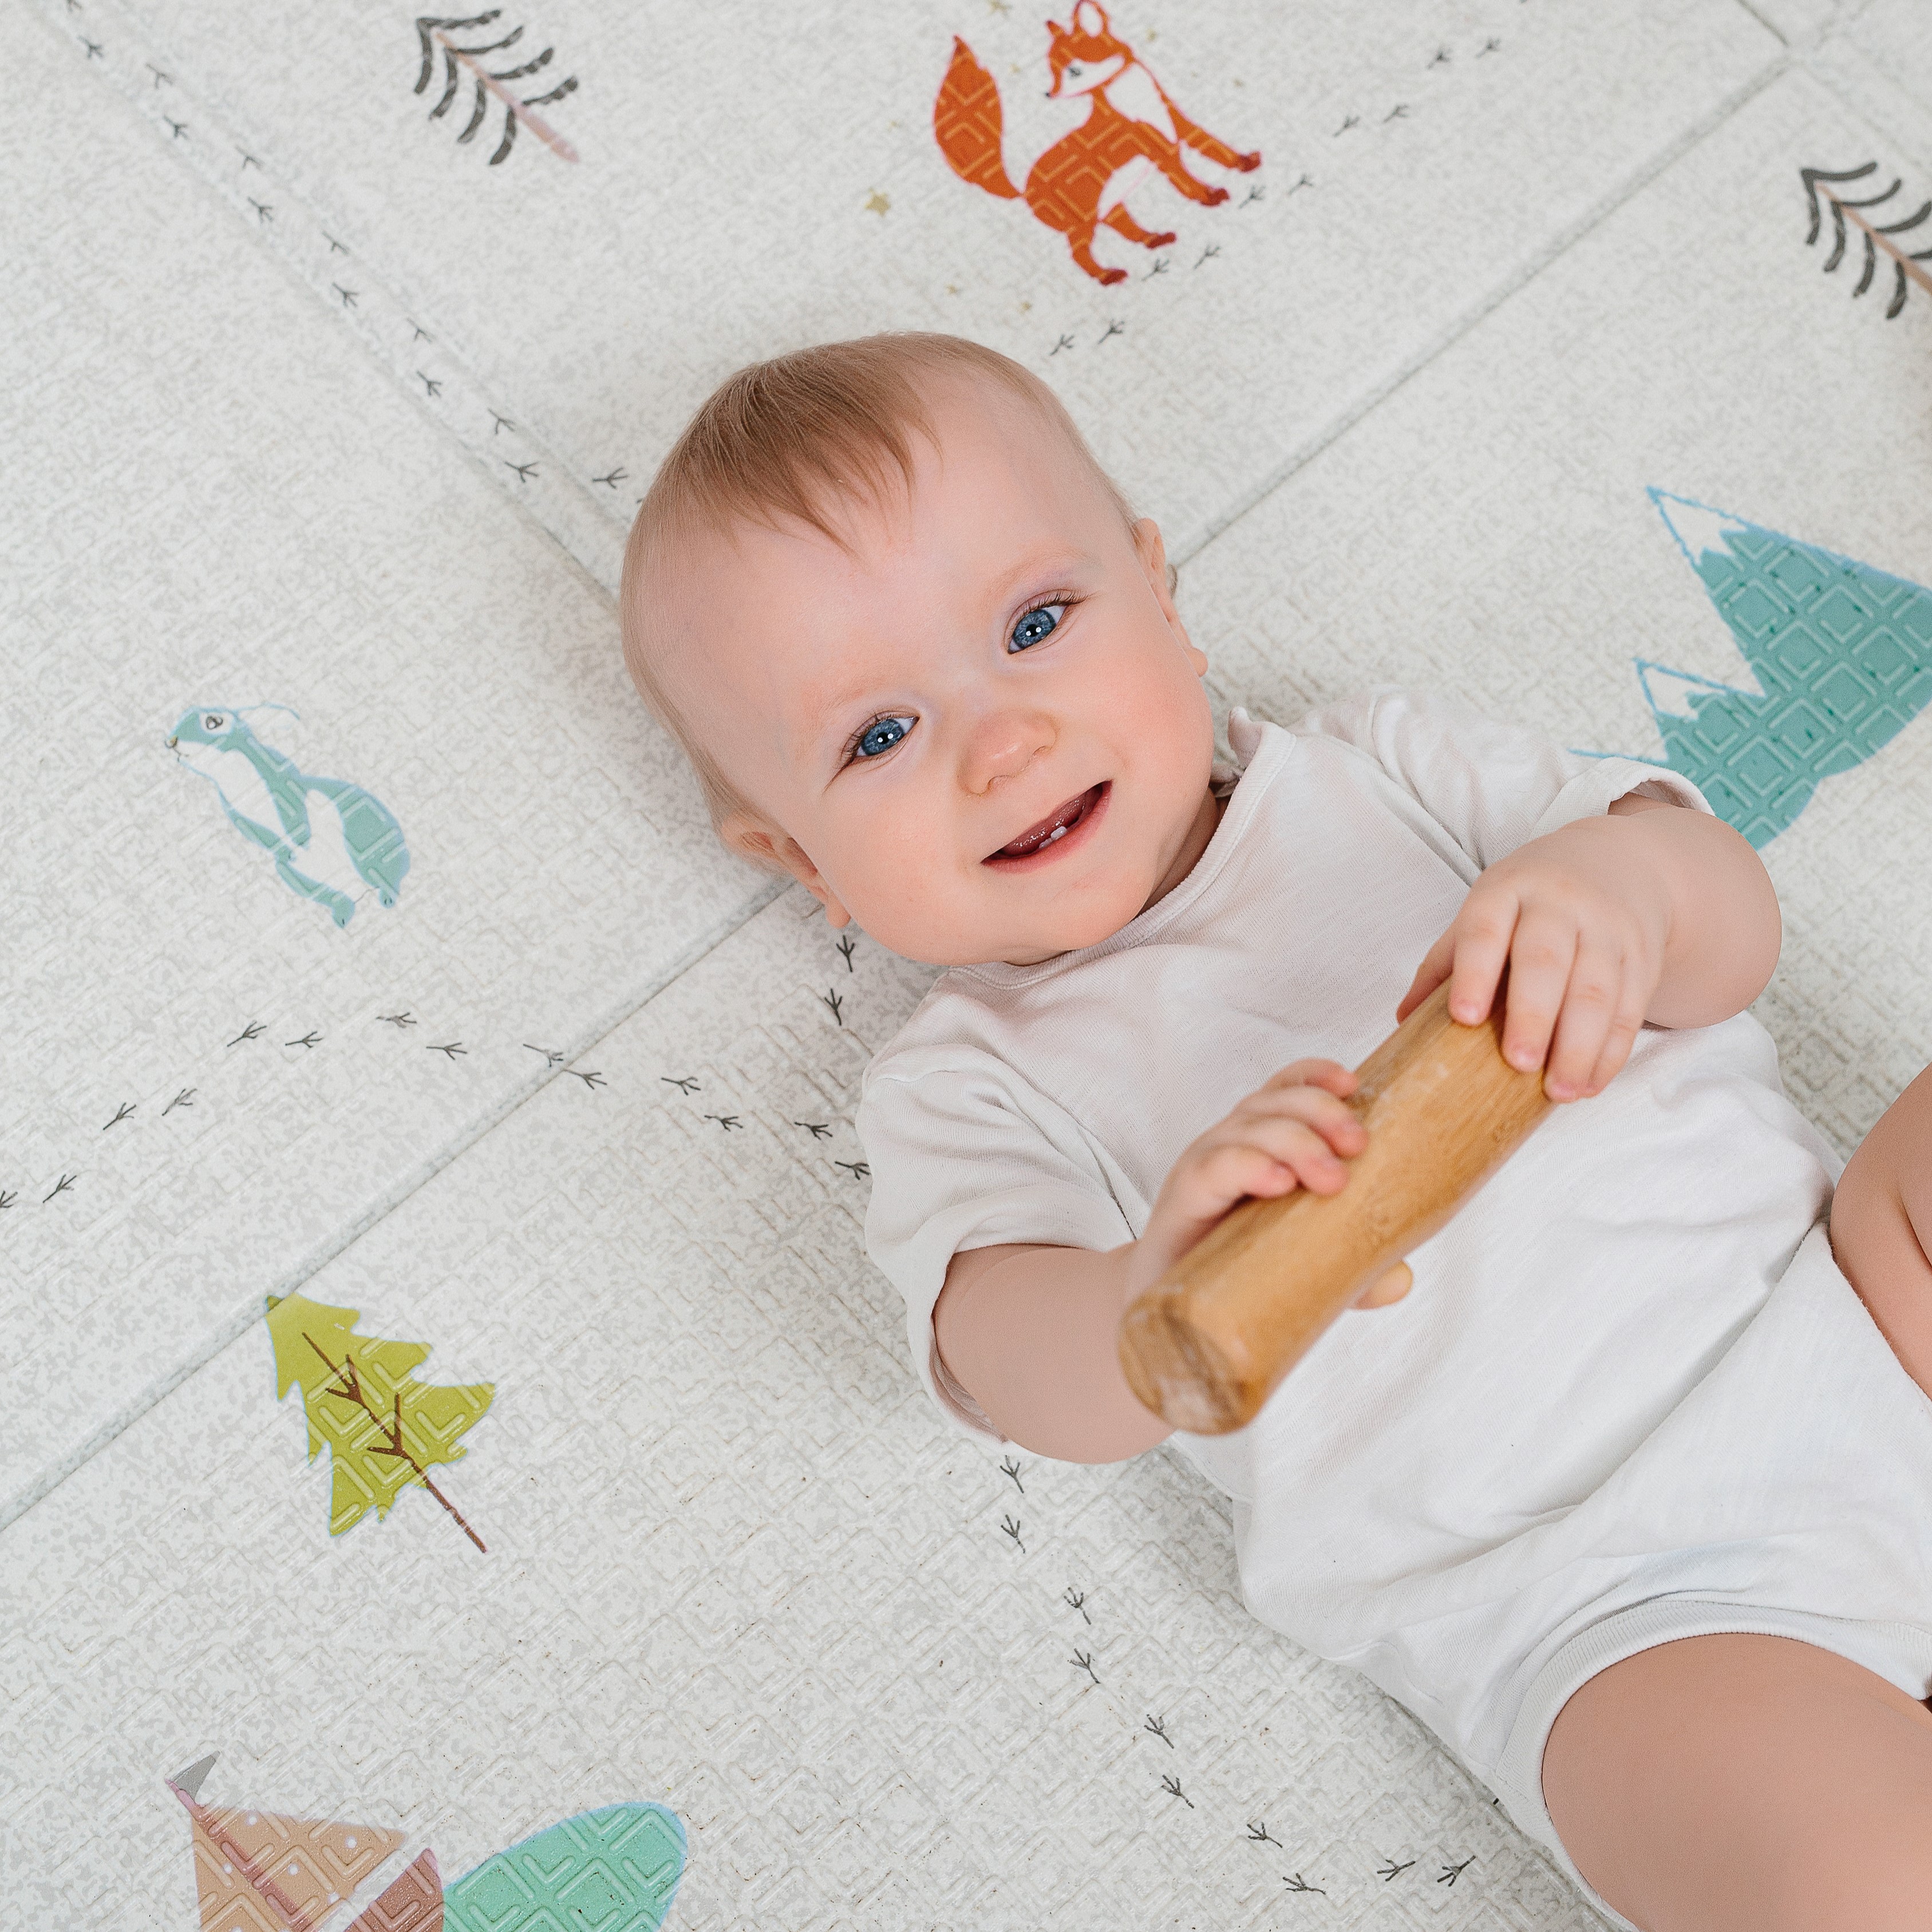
881,735
1036,626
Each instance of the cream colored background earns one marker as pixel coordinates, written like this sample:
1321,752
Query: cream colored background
1401,427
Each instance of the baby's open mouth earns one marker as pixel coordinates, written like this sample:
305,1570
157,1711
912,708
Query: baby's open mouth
1054,827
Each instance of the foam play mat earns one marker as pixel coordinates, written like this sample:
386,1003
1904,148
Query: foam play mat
459,1469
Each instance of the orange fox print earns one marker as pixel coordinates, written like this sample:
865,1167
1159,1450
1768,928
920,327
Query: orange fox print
1081,182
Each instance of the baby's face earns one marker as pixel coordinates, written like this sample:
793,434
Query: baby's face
983,734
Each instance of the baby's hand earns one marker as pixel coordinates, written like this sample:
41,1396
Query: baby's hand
1582,922
1293,1132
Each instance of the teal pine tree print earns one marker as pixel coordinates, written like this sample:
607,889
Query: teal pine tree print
1842,654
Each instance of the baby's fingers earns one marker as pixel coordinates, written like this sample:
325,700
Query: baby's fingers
1540,961
1202,1188
1482,937
1298,1150
1388,1288
1632,1002
1315,1107
1330,1074
1430,974
1590,1001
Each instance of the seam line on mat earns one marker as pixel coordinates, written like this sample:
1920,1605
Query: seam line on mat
1755,10
1842,68
565,510
436,379
563,507
1565,238
237,1323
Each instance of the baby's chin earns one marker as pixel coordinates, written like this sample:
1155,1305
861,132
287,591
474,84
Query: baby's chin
1018,940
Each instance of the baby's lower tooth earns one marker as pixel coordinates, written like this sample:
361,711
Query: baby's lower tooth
1058,831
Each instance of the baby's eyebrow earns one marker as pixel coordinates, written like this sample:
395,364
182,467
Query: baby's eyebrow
834,704
1053,560
812,736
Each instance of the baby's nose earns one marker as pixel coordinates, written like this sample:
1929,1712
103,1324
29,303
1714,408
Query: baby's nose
1003,746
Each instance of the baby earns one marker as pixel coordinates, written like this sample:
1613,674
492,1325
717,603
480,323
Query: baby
1629,1498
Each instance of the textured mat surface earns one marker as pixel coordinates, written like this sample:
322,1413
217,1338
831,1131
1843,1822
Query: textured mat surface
1878,55
743,181
219,503
884,1677
609,1510
1502,504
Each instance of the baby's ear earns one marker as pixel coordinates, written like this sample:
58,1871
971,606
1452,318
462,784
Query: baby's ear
1161,578
751,838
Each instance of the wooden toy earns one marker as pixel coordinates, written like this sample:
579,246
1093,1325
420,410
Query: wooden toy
1204,1347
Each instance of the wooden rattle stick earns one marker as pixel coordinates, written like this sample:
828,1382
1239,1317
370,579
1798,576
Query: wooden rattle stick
1204,1346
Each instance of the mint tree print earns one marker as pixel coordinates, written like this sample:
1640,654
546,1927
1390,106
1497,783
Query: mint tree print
1841,652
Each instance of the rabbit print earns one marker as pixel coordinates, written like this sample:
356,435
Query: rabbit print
330,841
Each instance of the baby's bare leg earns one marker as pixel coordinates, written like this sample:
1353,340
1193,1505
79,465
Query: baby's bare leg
1756,1782
1882,1227
1746,1784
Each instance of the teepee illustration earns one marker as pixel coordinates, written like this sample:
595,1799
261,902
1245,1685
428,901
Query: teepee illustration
616,1869
1841,654
260,1871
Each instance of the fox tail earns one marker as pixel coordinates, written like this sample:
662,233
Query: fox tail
968,124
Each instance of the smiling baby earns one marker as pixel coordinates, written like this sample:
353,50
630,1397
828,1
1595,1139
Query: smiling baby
1629,1498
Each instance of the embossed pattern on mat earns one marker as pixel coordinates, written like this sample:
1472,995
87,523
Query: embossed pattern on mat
884,1676
1520,559
325,411
748,181
220,504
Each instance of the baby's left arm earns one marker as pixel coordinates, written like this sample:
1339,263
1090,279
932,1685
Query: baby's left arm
1651,912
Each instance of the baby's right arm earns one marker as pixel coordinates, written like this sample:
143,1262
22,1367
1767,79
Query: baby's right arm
1031,1332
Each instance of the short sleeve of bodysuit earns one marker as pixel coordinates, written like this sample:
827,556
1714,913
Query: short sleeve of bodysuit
967,1151
965,1154
1491,786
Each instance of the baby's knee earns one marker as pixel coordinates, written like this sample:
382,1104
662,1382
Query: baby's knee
1868,1876
1881,1228
1741,1783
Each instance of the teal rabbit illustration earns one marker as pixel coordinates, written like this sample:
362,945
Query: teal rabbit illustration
330,839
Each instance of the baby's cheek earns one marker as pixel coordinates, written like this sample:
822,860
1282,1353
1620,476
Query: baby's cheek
892,866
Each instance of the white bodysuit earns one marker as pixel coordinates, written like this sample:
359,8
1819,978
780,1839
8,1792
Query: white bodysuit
1629,1398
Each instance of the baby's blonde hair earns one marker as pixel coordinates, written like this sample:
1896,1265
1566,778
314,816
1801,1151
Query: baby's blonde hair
793,437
